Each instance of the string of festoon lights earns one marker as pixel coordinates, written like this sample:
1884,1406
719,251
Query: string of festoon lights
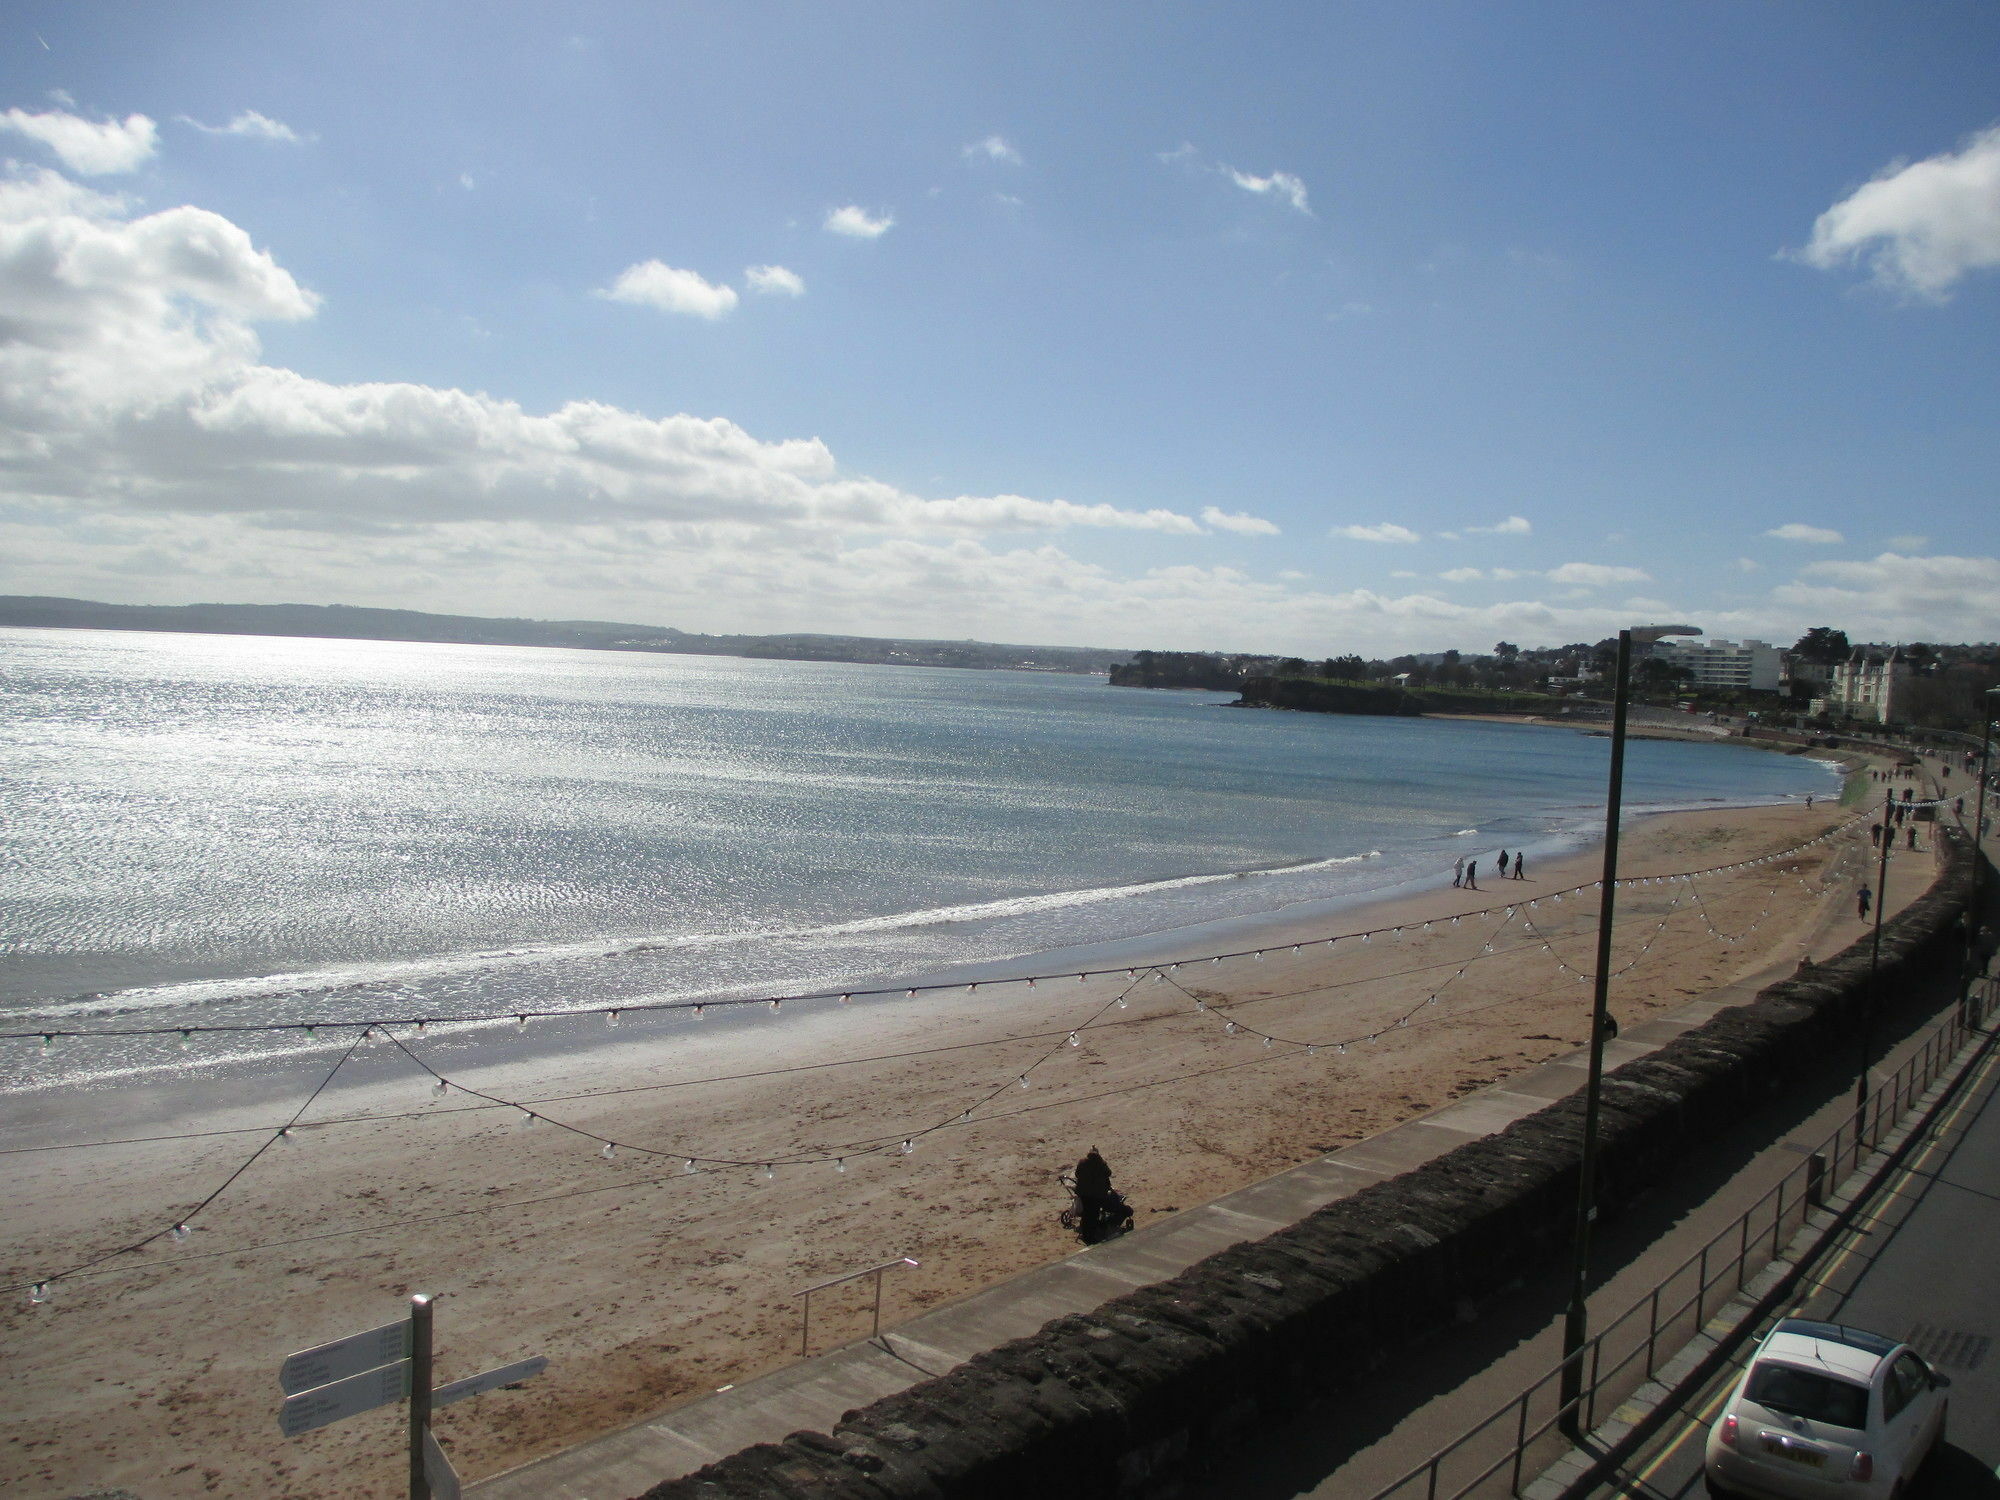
49,1037
373,1032
763,1169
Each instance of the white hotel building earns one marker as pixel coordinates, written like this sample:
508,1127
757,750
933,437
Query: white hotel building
1754,666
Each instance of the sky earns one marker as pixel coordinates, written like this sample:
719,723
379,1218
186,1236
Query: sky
1374,326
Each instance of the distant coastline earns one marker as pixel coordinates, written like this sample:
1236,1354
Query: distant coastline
355,623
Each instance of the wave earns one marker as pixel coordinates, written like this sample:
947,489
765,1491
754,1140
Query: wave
409,973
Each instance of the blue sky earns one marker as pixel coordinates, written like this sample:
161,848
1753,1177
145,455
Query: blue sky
1317,328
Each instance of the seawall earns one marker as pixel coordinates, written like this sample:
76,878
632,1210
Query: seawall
1125,1399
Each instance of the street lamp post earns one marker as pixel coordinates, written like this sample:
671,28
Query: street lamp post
1867,1027
1576,1320
1975,924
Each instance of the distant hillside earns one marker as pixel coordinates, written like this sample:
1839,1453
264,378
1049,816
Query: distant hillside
348,622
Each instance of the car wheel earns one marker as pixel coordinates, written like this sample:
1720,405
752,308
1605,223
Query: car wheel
1716,1491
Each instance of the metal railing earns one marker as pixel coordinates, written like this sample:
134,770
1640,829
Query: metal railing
805,1305
1525,1436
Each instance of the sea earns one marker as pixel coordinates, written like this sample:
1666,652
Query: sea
228,830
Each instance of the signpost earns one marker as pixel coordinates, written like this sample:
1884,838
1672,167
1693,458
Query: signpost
378,1367
345,1357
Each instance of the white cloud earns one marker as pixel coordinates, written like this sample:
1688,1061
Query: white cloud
1387,531
858,223
653,283
1893,597
131,384
1247,525
92,147
1748,565
249,124
1796,532
1919,227
1185,151
1512,526
1908,543
465,180
993,148
1279,185
1462,575
1596,575
774,281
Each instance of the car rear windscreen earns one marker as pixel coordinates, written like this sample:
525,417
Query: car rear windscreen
1803,1393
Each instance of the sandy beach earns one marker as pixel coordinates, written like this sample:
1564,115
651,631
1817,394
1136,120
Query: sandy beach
646,1285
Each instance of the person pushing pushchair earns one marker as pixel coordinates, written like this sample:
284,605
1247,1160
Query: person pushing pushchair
1097,1210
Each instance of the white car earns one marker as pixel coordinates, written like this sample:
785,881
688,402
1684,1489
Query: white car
1826,1412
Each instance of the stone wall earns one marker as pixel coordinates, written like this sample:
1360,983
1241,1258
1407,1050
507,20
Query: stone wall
1161,1381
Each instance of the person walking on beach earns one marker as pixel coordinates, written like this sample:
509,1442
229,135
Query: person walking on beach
1458,872
1472,875
1503,864
1875,835
1517,866
1861,899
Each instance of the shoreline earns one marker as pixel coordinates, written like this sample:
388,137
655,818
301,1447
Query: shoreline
169,1092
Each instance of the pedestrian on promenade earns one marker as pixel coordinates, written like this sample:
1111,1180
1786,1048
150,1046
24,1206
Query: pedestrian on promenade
1875,835
1913,835
1472,875
1861,899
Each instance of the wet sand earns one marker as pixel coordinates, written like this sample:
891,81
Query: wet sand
646,1285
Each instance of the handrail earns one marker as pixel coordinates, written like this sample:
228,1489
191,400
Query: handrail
805,1306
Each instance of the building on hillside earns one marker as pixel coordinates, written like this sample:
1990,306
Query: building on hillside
1865,687
1747,666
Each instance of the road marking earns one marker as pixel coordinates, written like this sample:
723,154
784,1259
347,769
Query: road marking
1704,1415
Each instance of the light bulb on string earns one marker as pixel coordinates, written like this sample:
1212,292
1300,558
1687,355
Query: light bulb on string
776,1006
528,1118
611,1019
48,1041
908,1147
179,1232
1024,1080
438,1087
1267,1041
840,1164
311,1030
1229,1029
846,999
39,1292
185,1034
698,1011
687,1166
768,1172
610,1150
1073,1040
520,1023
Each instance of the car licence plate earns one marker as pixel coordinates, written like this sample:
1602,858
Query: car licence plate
1795,1451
